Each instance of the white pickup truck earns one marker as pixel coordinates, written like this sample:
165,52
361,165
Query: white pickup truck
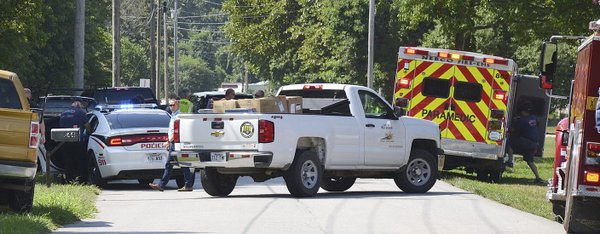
345,132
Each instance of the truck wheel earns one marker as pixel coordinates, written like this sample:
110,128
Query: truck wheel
337,184
94,177
217,184
304,175
22,201
581,216
419,175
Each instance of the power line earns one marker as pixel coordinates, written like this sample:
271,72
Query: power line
190,23
210,42
202,30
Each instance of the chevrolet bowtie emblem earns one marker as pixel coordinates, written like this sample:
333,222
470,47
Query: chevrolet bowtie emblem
217,133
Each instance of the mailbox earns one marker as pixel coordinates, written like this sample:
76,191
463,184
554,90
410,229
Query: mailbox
65,134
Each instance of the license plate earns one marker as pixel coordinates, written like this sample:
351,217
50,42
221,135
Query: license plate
218,156
154,157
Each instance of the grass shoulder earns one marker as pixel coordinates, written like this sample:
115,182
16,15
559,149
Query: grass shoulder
52,207
517,189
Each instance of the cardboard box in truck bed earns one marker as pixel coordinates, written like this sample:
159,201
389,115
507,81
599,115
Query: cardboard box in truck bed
265,105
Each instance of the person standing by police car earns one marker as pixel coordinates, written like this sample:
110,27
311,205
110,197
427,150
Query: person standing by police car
169,145
74,152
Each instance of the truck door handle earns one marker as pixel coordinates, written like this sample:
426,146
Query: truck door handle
370,125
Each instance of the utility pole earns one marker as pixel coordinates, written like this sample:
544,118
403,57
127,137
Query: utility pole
79,45
371,40
157,73
153,52
175,48
165,54
116,52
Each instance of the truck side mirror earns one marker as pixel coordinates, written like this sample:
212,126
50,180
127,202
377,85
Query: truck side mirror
548,63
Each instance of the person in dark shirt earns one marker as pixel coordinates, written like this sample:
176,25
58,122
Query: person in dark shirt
74,152
525,138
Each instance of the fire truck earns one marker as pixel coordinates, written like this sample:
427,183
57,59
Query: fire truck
575,187
472,97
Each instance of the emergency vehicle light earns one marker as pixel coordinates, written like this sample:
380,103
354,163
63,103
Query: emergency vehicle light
466,57
495,125
593,149
499,95
592,177
417,52
456,56
496,61
443,55
404,83
497,114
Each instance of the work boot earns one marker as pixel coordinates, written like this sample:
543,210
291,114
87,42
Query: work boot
156,187
185,189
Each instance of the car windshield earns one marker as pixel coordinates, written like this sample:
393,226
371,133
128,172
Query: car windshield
138,120
125,96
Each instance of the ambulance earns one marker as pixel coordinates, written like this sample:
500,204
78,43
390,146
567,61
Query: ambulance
472,97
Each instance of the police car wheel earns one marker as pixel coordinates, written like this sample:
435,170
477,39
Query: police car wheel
94,176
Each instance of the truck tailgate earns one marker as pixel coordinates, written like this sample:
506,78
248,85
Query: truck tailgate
14,135
218,131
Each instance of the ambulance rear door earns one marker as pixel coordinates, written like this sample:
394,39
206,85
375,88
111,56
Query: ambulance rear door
472,94
430,95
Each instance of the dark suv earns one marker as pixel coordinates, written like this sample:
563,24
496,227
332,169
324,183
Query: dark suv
125,95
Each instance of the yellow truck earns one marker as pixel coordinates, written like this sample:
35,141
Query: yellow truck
19,137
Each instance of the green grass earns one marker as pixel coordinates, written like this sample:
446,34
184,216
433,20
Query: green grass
52,207
517,189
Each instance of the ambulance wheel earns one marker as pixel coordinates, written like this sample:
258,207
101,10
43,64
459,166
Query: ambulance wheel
337,184
303,178
483,175
217,184
496,176
420,173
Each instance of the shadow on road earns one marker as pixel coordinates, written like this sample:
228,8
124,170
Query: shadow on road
505,180
352,194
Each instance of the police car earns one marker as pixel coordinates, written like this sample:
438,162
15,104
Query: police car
127,144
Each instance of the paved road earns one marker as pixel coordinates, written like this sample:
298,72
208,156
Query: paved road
370,206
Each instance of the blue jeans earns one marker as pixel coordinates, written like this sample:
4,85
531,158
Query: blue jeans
187,175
